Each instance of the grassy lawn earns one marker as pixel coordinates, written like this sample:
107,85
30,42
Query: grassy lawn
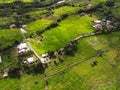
8,37
104,75
85,2
25,82
82,76
65,10
67,30
10,1
37,25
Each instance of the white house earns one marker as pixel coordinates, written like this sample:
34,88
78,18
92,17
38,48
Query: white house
22,48
30,60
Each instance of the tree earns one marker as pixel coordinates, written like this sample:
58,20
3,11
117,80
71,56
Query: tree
110,3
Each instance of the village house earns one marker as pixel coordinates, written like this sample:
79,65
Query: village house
22,48
5,74
30,60
99,23
12,26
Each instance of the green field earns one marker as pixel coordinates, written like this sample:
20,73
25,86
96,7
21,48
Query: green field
65,10
104,75
95,64
37,25
82,76
10,1
67,30
9,37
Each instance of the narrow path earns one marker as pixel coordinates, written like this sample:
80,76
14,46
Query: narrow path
79,37
33,50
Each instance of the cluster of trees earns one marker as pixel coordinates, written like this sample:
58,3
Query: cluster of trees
71,48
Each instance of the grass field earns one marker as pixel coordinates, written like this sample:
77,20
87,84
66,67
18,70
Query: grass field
10,1
103,76
67,30
37,25
8,37
65,10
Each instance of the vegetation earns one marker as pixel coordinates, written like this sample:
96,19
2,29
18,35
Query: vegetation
10,1
9,37
65,10
90,63
37,25
65,32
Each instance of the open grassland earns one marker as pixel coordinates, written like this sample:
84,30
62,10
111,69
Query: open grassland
87,3
37,25
10,1
80,76
103,75
36,14
9,37
67,30
65,10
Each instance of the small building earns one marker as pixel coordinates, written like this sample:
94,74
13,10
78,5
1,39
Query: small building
60,2
12,26
97,21
30,60
0,59
98,26
44,55
22,48
5,74
23,31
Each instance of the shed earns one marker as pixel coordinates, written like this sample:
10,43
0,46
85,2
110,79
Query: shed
97,21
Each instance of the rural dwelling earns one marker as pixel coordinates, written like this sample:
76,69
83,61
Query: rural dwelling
0,59
12,26
5,74
22,48
98,26
30,60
